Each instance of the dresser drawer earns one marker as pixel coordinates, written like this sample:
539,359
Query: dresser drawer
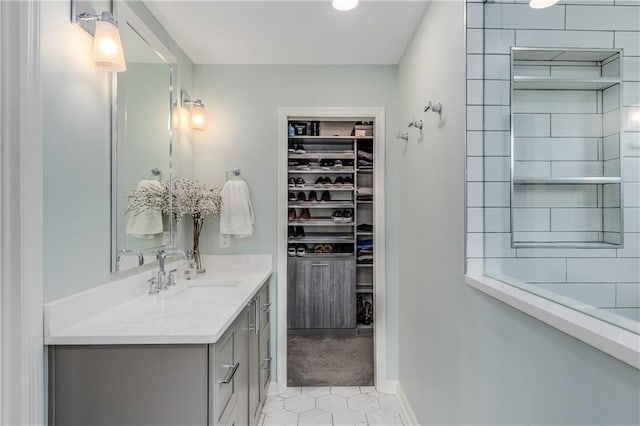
224,369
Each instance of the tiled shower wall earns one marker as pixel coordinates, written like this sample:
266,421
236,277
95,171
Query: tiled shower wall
607,277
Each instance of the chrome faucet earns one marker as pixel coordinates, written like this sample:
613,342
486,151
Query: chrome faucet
162,257
126,252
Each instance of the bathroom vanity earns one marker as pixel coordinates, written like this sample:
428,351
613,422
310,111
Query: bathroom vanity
197,354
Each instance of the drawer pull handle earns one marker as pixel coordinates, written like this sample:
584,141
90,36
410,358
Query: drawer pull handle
319,264
267,307
268,365
230,374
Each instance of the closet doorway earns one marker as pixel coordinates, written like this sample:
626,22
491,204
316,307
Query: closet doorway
330,327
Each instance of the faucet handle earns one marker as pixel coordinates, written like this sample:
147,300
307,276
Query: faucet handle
153,285
171,280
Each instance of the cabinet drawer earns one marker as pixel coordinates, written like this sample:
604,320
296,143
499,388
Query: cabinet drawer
265,359
225,364
230,415
265,306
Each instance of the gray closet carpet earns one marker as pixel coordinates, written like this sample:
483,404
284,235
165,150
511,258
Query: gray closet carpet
330,361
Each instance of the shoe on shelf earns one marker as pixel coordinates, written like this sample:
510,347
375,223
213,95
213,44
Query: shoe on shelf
300,182
337,164
326,196
327,181
291,251
313,197
291,231
298,231
320,181
305,214
337,216
299,149
348,181
302,250
347,216
301,196
292,181
328,248
292,196
339,181
292,147
292,214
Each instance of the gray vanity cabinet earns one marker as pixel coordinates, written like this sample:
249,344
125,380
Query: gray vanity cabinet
219,384
321,293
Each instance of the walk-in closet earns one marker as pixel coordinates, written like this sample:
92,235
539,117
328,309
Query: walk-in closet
330,251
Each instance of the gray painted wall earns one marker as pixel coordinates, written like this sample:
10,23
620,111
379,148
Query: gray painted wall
77,152
242,103
466,358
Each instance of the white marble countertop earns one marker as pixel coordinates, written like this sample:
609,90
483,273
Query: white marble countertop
193,312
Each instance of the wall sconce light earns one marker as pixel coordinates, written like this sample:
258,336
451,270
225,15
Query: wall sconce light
108,54
542,4
344,5
198,118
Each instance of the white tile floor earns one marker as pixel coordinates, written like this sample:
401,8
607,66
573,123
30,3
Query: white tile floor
333,405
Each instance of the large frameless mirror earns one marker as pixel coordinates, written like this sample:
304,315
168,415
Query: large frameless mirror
141,142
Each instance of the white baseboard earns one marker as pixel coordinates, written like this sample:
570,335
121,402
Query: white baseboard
407,411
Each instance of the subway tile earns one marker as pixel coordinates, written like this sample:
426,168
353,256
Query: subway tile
576,220
611,146
555,196
474,143
497,118
611,99
475,196
499,41
628,295
497,143
556,149
531,125
603,270
611,220
475,266
497,67
497,92
528,270
496,194
611,69
475,66
631,68
631,94
575,71
631,119
631,170
554,101
632,194
565,252
631,219
522,16
564,39
631,245
474,118
475,219
497,219
626,2
497,169
602,18
611,167
532,70
561,237
629,41
576,125
475,41
531,220
498,245
599,295
630,144
611,122
475,171
576,168
475,244
474,92
611,195
611,238
532,169
475,15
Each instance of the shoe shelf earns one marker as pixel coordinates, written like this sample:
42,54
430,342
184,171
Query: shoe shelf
319,222
343,170
321,204
323,155
313,187
365,170
330,138
364,265
364,233
311,240
365,201
309,255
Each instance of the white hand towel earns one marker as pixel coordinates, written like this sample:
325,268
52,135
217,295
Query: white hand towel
148,223
236,214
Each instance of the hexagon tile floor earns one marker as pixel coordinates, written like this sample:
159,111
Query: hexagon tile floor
333,405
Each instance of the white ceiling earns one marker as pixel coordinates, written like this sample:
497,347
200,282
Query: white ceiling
290,32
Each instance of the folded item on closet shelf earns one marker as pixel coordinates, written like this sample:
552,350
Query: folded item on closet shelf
365,244
365,227
236,215
365,259
148,223
364,155
365,190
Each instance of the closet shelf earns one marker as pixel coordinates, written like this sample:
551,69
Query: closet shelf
365,265
330,138
364,234
324,239
367,290
313,187
323,155
325,255
558,83
365,170
322,205
344,170
580,180
318,222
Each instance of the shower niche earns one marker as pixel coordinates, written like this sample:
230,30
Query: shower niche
566,162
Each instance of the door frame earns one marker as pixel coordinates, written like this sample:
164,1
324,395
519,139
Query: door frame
378,113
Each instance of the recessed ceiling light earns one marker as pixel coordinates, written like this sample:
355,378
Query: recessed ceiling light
542,4
344,5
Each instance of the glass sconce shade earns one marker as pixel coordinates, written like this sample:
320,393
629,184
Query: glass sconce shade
107,48
198,117
344,5
542,4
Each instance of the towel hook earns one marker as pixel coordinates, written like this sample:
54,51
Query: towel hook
416,123
434,107
235,172
403,136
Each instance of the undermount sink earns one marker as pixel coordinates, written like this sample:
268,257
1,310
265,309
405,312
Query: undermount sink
198,292
208,283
